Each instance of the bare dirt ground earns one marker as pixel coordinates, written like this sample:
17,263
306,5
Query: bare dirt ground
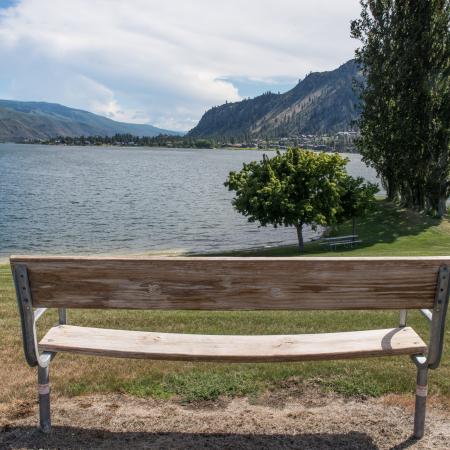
311,420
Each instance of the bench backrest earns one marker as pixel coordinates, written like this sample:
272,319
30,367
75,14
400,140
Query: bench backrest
222,283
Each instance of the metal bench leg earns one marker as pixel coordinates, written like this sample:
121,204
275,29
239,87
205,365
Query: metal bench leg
44,399
421,401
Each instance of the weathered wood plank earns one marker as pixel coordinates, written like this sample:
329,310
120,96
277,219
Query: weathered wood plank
195,347
216,283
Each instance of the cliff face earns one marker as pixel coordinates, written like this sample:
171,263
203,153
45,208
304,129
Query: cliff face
323,102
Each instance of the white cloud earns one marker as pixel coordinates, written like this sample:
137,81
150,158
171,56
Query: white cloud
164,62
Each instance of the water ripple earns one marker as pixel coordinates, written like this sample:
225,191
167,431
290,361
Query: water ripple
126,200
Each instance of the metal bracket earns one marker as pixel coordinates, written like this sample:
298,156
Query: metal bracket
403,318
428,314
62,316
29,318
437,318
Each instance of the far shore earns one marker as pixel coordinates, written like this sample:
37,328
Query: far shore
260,149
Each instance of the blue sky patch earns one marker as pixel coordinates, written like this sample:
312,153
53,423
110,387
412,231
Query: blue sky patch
7,3
248,87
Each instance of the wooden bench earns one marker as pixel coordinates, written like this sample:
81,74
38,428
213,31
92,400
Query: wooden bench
216,283
337,241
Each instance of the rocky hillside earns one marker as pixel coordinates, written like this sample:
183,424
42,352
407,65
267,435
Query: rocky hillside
21,121
323,102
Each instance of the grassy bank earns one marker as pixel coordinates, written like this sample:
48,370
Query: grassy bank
389,231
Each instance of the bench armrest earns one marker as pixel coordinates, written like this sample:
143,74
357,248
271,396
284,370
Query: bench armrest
30,317
437,322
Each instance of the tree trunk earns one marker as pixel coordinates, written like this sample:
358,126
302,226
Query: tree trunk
442,206
354,226
301,245
391,193
437,199
391,188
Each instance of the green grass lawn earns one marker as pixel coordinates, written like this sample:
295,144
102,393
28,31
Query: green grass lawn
389,231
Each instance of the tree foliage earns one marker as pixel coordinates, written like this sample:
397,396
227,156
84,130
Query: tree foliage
356,199
405,122
162,140
298,188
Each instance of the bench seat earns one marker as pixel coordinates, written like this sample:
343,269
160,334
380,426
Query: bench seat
232,348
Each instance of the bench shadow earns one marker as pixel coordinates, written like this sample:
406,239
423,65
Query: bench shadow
74,438
386,342
406,444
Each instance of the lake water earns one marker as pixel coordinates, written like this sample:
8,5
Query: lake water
86,200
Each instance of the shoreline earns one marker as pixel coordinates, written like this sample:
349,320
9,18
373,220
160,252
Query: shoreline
169,252
382,233
264,149
4,260
176,252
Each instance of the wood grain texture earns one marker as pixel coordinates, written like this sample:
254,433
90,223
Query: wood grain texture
196,347
218,283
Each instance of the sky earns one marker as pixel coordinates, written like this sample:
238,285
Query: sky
165,62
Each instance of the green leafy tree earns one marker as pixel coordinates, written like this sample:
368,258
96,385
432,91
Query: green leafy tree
405,57
295,188
357,199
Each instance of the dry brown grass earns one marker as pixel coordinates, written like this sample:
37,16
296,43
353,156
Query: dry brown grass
309,420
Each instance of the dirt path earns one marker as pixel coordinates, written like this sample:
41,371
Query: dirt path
310,421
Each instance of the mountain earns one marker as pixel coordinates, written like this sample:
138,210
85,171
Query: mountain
323,102
21,121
